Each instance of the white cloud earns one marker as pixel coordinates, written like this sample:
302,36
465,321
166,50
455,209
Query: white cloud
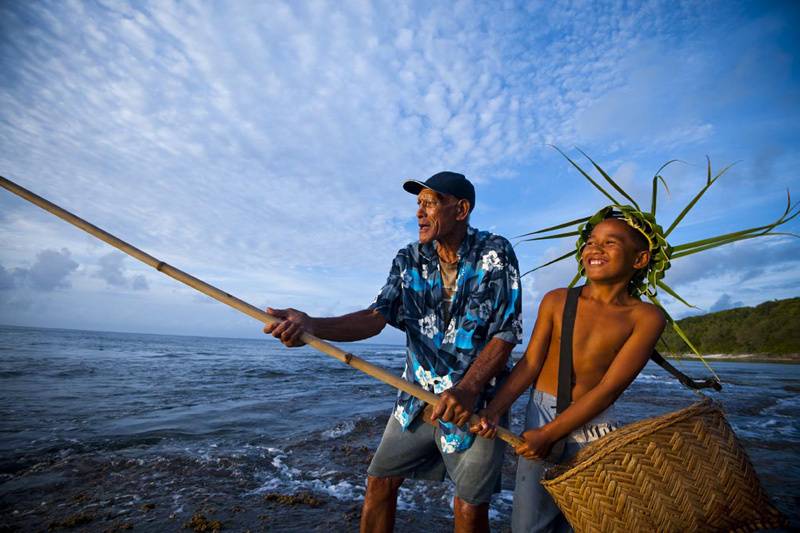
112,271
50,271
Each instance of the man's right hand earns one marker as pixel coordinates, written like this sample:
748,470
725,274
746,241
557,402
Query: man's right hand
487,427
293,324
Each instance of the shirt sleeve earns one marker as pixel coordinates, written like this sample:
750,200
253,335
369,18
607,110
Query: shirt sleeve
389,301
506,319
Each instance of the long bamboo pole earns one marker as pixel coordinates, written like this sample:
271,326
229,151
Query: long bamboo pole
240,305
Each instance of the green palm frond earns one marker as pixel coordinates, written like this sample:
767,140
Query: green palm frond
555,236
574,280
681,334
609,180
556,260
709,182
552,228
587,176
672,293
656,179
712,242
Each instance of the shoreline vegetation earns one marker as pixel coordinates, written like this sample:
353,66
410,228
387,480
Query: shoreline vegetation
792,358
766,333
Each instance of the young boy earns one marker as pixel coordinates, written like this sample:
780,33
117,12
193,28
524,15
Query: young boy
614,334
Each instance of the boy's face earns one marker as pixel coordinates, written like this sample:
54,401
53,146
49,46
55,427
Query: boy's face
611,252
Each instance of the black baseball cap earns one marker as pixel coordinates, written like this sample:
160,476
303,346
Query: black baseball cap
451,183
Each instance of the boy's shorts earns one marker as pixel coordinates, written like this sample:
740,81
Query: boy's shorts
534,508
416,453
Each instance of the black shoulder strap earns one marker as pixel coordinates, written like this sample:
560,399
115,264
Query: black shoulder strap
564,396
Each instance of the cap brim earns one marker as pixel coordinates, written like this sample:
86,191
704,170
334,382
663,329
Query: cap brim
414,186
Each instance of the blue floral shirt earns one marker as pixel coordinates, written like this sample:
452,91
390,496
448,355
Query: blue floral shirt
486,304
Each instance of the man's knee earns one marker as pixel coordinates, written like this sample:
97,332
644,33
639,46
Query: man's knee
382,488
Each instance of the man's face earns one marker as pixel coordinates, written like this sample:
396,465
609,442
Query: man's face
437,215
610,252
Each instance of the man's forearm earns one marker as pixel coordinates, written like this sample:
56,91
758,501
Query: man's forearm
350,327
491,361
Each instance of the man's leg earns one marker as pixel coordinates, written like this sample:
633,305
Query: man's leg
380,504
400,454
476,474
470,518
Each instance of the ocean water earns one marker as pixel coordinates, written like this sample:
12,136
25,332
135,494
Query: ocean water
111,431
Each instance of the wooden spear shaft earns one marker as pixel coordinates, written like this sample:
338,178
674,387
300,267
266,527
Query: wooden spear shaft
240,305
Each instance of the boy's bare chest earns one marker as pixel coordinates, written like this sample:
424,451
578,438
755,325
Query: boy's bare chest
599,335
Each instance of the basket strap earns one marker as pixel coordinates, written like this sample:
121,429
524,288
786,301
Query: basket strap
694,384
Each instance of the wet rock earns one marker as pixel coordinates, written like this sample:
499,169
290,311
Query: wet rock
353,514
302,498
71,521
80,498
200,524
116,528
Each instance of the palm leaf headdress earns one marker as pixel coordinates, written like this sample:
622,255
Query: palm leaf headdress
651,278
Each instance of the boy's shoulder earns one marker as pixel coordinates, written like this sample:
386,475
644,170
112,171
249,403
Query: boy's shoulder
554,299
647,312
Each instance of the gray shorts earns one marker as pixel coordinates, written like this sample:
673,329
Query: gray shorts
416,453
534,508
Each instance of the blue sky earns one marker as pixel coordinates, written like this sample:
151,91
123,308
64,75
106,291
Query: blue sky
261,146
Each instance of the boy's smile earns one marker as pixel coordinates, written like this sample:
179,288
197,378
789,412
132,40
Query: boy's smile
596,261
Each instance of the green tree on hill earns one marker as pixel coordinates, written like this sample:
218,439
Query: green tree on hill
769,328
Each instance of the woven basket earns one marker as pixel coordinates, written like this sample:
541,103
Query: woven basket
683,471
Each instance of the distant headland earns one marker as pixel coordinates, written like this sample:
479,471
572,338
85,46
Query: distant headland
767,332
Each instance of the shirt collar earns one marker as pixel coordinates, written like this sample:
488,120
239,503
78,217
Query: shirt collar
429,250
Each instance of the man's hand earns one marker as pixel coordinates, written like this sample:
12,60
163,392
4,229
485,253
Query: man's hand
455,405
487,427
537,444
294,324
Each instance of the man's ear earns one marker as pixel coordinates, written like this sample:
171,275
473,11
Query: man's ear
642,259
463,210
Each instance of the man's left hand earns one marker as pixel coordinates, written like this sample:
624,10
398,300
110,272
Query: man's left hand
455,405
537,444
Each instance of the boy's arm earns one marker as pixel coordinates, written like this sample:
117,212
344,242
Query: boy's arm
525,371
630,360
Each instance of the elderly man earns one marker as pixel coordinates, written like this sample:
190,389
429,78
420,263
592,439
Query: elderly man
456,294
